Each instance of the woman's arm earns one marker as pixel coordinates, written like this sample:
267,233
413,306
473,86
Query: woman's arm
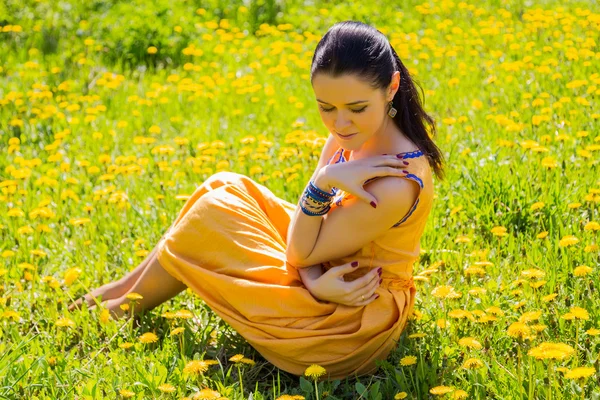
304,229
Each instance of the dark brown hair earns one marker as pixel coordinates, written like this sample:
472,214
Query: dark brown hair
353,47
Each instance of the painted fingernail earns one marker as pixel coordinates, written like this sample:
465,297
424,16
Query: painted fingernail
405,171
373,204
355,264
377,296
405,162
379,271
381,280
399,155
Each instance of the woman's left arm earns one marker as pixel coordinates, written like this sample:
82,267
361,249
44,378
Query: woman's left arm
304,229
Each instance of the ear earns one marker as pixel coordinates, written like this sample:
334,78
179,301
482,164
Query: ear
394,85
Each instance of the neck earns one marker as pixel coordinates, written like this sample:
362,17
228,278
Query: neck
385,140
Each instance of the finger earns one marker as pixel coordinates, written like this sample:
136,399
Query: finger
364,281
370,288
344,269
367,300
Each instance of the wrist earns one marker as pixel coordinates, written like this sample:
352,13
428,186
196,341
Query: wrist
321,182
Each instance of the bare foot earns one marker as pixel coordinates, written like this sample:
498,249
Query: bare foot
109,291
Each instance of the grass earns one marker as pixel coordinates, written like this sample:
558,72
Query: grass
106,127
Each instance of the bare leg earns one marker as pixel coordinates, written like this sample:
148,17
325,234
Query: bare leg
116,289
155,285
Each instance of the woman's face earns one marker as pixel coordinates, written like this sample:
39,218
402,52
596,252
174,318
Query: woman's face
349,106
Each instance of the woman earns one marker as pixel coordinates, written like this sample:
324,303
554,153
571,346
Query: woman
327,281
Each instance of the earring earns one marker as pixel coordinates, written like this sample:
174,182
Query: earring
392,111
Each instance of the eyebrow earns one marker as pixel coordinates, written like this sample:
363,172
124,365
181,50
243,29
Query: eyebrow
347,104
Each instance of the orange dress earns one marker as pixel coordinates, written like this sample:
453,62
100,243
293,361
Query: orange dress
228,245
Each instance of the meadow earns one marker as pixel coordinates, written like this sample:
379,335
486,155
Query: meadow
112,113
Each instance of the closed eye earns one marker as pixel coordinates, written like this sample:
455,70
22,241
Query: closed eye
331,109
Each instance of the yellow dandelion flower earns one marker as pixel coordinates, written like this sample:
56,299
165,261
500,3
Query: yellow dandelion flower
104,315
236,358
533,273
71,274
444,292
290,397
126,393
168,315
580,373
207,394
499,231
568,241
580,313
519,330
460,394
408,360
592,225
125,345
315,371
134,296
542,235
568,316
497,311
441,390
537,285
148,337
593,331
549,297
530,316
554,351
184,314
538,327
470,342
167,388
195,367
400,395
417,335
591,247
582,270
248,361
65,321
177,331
537,206
472,363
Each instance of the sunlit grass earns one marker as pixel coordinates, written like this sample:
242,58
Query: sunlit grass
98,154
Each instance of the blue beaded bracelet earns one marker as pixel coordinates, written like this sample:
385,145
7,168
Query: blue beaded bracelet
320,191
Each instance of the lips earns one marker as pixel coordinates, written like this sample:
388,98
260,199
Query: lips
348,135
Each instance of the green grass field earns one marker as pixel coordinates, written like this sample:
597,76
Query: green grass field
112,113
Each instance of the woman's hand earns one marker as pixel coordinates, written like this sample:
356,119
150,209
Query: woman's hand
350,176
331,286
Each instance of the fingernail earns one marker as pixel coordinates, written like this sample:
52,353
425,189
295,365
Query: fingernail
379,271
381,280
373,204
405,162
399,155
355,264
405,171
377,296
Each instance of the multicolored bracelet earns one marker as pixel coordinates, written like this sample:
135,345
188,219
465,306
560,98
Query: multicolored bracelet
315,201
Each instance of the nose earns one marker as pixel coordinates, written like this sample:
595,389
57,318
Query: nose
341,122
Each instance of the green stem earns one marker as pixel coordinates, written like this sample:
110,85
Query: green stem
316,389
530,395
519,370
575,359
240,376
550,380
